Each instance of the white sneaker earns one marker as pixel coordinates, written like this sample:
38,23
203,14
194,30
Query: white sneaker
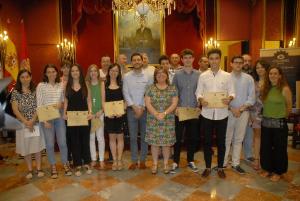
174,168
29,175
193,167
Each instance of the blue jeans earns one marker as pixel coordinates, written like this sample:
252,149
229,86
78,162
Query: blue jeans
58,129
134,126
248,142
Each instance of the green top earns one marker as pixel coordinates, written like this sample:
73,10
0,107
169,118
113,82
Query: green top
96,98
274,105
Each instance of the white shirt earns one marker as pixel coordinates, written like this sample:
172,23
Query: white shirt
149,71
47,94
220,82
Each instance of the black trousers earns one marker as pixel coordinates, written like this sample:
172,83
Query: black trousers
273,149
80,145
191,130
220,126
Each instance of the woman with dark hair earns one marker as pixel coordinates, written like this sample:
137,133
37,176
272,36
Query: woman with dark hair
277,104
260,71
23,100
78,99
50,92
161,100
97,127
112,91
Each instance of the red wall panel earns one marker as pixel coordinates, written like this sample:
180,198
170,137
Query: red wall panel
273,19
234,19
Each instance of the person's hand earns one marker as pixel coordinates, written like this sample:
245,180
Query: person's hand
65,117
98,114
204,103
90,116
236,112
47,124
226,101
119,115
160,116
57,106
29,124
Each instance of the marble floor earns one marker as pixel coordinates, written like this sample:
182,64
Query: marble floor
139,185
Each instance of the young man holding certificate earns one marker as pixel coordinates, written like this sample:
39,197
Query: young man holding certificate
239,115
214,91
134,87
185,80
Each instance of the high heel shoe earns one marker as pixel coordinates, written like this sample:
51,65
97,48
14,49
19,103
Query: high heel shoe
154,169
166,169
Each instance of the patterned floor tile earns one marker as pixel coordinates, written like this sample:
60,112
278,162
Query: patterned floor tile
202,196
73,192
190,179
93,198
41,198
146,181
99,182
173,191
222,188
49,185
22,193
293,193
12,182
149,197
121,191
249,194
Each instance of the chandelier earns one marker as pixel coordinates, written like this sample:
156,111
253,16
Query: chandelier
143,6
66,52
292,43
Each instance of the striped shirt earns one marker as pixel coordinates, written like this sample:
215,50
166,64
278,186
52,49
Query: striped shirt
47,94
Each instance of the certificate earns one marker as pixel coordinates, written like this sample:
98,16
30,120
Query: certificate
48,112
77,118
187,113
114,108
214,99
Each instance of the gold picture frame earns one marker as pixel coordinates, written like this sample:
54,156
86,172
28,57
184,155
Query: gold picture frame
127,37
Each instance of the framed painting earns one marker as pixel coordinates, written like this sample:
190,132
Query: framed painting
133,35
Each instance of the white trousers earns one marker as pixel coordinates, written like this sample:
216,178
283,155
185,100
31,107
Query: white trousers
101,142
235,133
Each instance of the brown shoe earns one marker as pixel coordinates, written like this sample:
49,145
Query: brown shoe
143,165
206,173
221,173
132,166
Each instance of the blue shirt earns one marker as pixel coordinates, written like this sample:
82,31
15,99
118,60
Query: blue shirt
134,87
244,90
186,84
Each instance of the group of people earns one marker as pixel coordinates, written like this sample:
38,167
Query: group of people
255,103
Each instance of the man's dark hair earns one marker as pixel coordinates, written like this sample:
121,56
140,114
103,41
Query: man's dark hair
162,58
136,54
237,57
187,52
214,51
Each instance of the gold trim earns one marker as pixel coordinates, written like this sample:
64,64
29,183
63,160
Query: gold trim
116,34
263,38
282,20
217,20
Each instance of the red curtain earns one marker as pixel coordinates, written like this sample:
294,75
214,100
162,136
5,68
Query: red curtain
91,7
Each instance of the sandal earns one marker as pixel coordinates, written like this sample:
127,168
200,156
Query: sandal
29,175
114,166
40,173
265,174
256,165
68,171
166,169
275,177
102,165
54,173
120,165
88,169
78,171
154,169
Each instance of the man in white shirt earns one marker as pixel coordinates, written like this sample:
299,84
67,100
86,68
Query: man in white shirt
203,64
149,70
214,80
105,62
239,115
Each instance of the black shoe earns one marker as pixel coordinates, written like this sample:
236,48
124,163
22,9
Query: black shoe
206,173
221,173
238,169
250,160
